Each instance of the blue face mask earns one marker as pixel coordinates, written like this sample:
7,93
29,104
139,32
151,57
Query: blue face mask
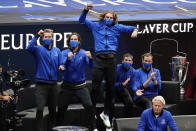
108,21
126,65
73,44
47,41
147,65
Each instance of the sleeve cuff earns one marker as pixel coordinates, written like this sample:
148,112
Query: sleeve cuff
37,35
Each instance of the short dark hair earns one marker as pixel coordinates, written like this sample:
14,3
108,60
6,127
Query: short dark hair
127,55
79,39
0,66
146,55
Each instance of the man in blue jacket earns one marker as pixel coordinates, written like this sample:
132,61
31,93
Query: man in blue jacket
149,82
106,33
75,60
157,118
48,62
125,80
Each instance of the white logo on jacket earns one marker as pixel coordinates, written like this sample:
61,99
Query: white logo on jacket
163,121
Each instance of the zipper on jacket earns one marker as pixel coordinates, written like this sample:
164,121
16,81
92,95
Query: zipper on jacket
50,65
74,57
106,37
156,124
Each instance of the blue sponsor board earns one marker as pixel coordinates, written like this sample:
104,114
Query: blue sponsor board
69,10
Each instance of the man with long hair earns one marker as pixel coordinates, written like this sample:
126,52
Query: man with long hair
75,60
106,33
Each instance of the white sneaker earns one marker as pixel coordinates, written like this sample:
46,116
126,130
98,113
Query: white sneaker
105,119
108,129
95,130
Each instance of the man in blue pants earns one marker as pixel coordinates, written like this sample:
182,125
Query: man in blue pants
48,63
106,33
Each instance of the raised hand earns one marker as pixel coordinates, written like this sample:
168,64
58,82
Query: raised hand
89,6
61,67
70,54
126,82
41,32
134,34
152,75
139,92
88,54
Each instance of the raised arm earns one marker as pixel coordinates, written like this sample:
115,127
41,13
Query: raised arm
32,44
83,20
89,59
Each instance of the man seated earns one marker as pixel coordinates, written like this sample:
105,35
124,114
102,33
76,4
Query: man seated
157,118
125,80
149,82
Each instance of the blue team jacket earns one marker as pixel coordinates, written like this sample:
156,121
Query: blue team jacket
105,37
150,90
148,121
75,68
122,75
47,61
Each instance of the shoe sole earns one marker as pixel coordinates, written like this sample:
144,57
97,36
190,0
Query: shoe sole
104,121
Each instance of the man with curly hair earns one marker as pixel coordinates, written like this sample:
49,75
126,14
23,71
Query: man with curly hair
106,33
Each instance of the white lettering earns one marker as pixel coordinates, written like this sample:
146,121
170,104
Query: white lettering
85,3
30,4
165,28
146,30
28,38
138,27
155,2
158,28
186,1
59,2
13,42
120,1
3,42
65,38
55,38
152,27
189,26
174,26
5,7
182,27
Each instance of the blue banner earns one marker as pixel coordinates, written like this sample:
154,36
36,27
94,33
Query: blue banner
69,10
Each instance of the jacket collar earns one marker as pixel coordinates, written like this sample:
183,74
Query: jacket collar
159,114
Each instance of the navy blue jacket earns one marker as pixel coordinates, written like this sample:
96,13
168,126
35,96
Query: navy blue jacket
75,68
105,37
143,76
47,61
148,121
123,75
